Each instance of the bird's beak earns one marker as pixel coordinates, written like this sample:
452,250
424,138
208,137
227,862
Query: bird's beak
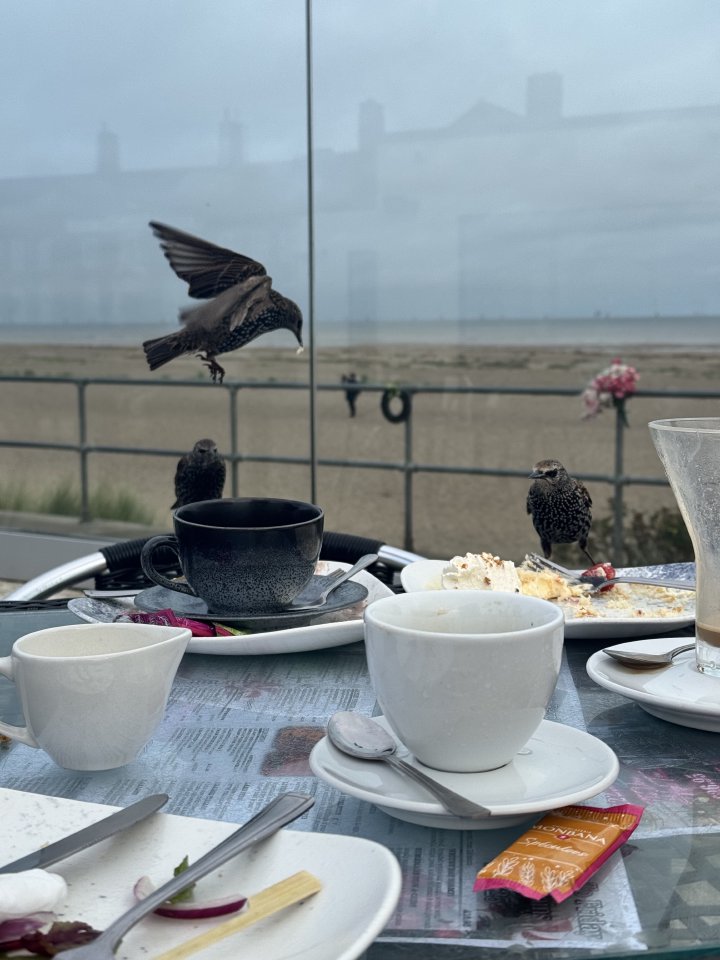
535,475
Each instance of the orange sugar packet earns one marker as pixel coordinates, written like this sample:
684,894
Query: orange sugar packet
561,852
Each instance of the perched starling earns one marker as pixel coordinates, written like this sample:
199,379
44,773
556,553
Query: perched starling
200,474
560,507
241,302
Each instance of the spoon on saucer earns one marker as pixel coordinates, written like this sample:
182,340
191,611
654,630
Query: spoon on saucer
634,658
365,739
334,582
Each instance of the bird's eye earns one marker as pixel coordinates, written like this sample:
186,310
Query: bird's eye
551,474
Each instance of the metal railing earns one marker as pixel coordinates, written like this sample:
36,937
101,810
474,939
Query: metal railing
617,479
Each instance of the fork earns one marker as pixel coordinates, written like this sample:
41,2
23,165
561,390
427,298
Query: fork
596,584
269,820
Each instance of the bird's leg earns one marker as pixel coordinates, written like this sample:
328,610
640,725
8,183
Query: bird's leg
584,550
546,548
217,372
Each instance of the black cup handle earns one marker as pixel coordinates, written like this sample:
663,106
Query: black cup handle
146,555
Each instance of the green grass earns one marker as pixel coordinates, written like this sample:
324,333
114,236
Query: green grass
64,500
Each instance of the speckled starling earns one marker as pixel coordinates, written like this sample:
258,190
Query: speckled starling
200,474
560,507
241,302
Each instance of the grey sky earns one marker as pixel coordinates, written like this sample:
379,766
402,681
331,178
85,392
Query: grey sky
161,74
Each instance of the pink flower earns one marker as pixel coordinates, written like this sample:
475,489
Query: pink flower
611,386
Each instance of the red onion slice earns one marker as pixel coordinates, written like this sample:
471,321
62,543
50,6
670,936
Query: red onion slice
191,910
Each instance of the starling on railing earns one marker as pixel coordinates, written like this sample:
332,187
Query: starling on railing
241,304
560,507
200,474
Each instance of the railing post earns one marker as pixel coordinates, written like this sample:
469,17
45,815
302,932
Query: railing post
233,392
82,445
618,538
408,475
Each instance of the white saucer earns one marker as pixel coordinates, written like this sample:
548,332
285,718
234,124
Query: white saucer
678,693
559,765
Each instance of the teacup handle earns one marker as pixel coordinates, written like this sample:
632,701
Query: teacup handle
146,555
21,734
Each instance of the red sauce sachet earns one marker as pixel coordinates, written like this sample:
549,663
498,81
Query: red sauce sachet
560,852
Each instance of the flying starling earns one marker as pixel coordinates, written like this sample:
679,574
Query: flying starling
560,507
241,302
200,474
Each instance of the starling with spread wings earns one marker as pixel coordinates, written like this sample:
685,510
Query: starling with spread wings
241,303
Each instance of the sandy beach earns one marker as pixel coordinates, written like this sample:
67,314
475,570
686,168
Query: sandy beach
452,514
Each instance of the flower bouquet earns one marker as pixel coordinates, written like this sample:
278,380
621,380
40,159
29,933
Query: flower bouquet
610,388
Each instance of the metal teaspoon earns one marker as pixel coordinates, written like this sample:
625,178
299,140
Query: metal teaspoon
337,579
362,737
638,659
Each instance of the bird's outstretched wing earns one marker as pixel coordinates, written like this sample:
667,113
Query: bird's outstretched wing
235,306
207,268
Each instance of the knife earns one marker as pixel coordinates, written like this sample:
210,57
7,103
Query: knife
88,835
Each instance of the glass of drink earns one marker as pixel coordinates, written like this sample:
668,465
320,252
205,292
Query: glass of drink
690,453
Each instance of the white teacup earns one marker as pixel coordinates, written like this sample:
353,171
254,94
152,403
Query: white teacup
93,694
463,677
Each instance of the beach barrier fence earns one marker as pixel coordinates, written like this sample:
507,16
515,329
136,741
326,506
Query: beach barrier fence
397,406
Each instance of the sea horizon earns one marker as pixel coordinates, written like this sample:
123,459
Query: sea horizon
689,332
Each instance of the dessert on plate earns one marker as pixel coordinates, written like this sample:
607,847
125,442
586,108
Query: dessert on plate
485,571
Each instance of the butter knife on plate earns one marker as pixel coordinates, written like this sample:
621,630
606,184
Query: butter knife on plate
88,836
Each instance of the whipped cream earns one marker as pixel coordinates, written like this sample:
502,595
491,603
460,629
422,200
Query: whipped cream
480,571
29,891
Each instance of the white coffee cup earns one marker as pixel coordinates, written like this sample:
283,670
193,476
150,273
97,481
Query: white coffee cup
93,694
463,677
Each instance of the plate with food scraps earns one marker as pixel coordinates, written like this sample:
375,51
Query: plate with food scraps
627,610
330,630
333,924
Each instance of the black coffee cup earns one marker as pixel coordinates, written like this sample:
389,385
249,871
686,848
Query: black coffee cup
242,555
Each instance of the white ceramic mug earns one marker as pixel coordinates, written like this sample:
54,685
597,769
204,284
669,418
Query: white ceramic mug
93,694
463,677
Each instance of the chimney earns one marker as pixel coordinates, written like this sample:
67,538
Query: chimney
231,142
371,124
107,158
544,98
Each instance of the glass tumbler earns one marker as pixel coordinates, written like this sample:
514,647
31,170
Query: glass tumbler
690,453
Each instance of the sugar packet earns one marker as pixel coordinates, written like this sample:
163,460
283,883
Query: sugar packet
561,851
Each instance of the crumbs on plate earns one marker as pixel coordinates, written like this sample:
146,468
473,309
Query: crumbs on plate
485,571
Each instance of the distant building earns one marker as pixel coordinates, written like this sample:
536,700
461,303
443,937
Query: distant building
495,214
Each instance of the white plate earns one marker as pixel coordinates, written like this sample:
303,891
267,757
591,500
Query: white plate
678,693
426,575
331,630
559,765
339,923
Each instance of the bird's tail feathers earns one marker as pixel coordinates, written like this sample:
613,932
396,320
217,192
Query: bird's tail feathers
163,349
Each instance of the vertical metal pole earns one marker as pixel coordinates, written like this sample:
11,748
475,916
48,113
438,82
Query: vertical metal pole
311,247
408,493
618,490
233,392
82,443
